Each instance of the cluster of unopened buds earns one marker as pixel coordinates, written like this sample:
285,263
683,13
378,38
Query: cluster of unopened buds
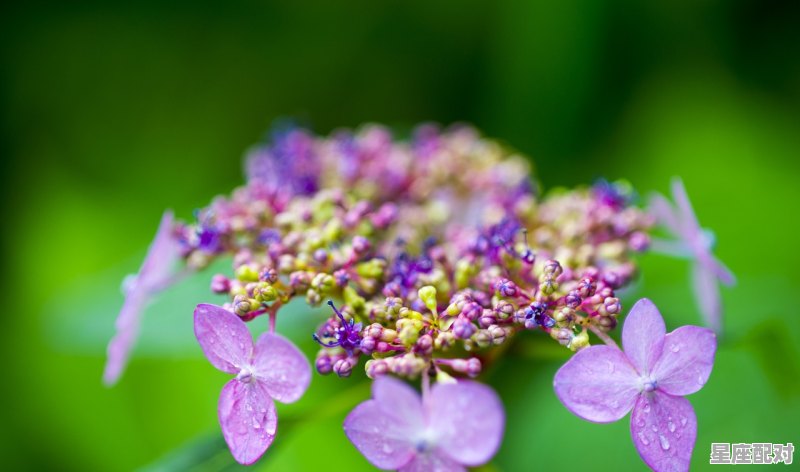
430,254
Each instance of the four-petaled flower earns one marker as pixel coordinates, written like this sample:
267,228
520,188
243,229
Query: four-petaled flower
456,425
272,369
156,274
696,243
602,384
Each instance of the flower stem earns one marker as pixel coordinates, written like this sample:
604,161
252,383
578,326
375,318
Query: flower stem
603,336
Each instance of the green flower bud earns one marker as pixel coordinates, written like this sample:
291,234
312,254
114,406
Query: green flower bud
580,341
265,292
247,273
428,296
372,269
354,300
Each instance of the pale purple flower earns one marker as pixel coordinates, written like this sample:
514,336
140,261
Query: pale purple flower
695,243
456,425
602,384
156,273
272,369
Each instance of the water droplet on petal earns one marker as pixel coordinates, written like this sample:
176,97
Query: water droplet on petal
664,442
683,421
700,379
654,428
387,449
671,427
614,404
675,348
643,438
640,423
646,408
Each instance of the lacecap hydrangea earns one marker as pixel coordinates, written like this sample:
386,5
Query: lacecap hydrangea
430,254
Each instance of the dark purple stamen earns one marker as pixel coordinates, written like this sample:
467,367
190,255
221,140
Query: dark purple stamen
347,336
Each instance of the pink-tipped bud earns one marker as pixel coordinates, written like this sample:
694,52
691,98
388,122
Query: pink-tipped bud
220,284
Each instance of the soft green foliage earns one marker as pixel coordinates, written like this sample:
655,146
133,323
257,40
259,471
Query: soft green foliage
111,113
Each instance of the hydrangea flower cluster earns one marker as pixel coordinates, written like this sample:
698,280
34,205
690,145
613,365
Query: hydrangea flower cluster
430,253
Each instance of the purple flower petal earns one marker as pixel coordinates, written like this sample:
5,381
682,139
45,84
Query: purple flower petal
686,363
386,442
643,335
120,346
154,275
715,266
224,338
248,420
400,400
467,420
664,429
283,370
664,213
598,384
673,248
706,292
433,461
163,253
689,227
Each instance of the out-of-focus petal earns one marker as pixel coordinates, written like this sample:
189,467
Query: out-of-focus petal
686,363
281,367
673,248
385,442
598,384
715,266
434,461
120,346
664,213
706,293
154,275
248,420
467,421
664,429
162,255
399,401
689,227
224,338
643,335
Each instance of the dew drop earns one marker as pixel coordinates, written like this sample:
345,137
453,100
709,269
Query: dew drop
675,348
643,438
683,421
646,408
664,442
640,423
387,449
654,428
671,427
233,333
614,404
700,380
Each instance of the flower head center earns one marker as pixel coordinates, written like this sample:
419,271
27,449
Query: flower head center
246,375
648,385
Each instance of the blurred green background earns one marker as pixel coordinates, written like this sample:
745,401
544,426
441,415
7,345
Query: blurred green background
110,113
